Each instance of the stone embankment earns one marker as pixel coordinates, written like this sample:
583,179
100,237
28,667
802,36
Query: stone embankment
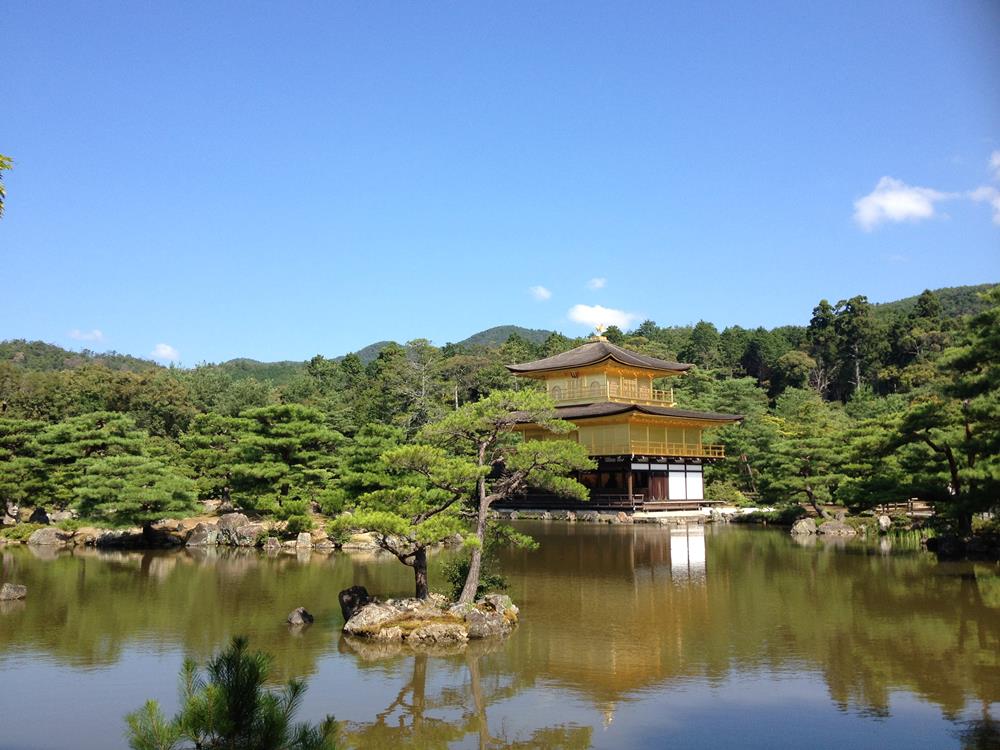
839,526
433,621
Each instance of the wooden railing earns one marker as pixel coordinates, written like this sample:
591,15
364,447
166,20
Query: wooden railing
644,448
613,391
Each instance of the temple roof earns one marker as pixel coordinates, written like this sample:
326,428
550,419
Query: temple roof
607,409
593,353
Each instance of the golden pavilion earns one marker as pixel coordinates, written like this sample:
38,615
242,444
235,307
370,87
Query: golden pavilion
649,453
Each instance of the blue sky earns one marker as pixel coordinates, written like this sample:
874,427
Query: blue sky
212,180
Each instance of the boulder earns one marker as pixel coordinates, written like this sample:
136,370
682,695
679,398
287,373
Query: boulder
587,515
228,526
480,623
247,534
272,542
804,526
360,543
300,616
884,523
623,517
370,619
38,515
437,632
836,528
304,540
352,600
11,591
203,535
58,516
47,537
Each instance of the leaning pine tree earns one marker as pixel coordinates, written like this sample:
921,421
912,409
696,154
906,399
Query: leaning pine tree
483,436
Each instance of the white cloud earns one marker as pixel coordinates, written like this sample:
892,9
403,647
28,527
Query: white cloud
988,194
92,335
597,283
995,165
597,315
894,200
165,353
540,293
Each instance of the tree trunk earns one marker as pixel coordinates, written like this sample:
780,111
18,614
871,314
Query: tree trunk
815,503
420,573
476,562
147,533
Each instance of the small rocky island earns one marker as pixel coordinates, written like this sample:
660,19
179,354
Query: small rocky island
431,621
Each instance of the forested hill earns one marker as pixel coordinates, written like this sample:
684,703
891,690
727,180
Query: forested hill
38,356
956,301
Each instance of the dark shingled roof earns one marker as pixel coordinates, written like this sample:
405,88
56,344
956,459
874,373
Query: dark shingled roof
592,353
607,409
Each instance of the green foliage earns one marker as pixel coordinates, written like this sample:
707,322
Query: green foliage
20,532
229,707
133,490
298,524
491,580
727,492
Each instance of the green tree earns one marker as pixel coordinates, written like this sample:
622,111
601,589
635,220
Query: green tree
956,419
805,456
286,453
229,708
211,449
68,449
421,510
133,491
703,346
483,436
21,476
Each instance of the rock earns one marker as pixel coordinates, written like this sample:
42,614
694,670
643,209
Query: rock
884,523
623,517
499,603
289,544
484,624
203,535
437,632
514,515
360,542
272,542
47,537
232,521
38,515
370,619
300,616
836,528
11,591
840,515
352,600
804,526
58,516
587,515
247,534
304,540
324,545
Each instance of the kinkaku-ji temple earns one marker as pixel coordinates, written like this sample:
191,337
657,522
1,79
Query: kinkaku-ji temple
649,453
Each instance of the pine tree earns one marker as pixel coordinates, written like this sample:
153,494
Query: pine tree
133,491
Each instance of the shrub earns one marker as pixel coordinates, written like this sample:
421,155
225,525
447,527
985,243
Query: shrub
229,707
290,508
728,493
20,532
297,525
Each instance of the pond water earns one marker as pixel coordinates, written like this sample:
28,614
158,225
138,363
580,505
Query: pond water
631,637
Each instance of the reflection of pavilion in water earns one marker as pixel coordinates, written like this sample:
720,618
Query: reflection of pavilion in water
687,554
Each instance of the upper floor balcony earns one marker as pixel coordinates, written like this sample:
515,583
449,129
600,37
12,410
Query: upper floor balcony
629,392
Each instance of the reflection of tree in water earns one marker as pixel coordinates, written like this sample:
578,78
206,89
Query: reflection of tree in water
407,723
982,733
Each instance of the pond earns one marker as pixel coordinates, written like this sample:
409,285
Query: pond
631,636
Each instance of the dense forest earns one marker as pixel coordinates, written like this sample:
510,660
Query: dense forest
864,405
